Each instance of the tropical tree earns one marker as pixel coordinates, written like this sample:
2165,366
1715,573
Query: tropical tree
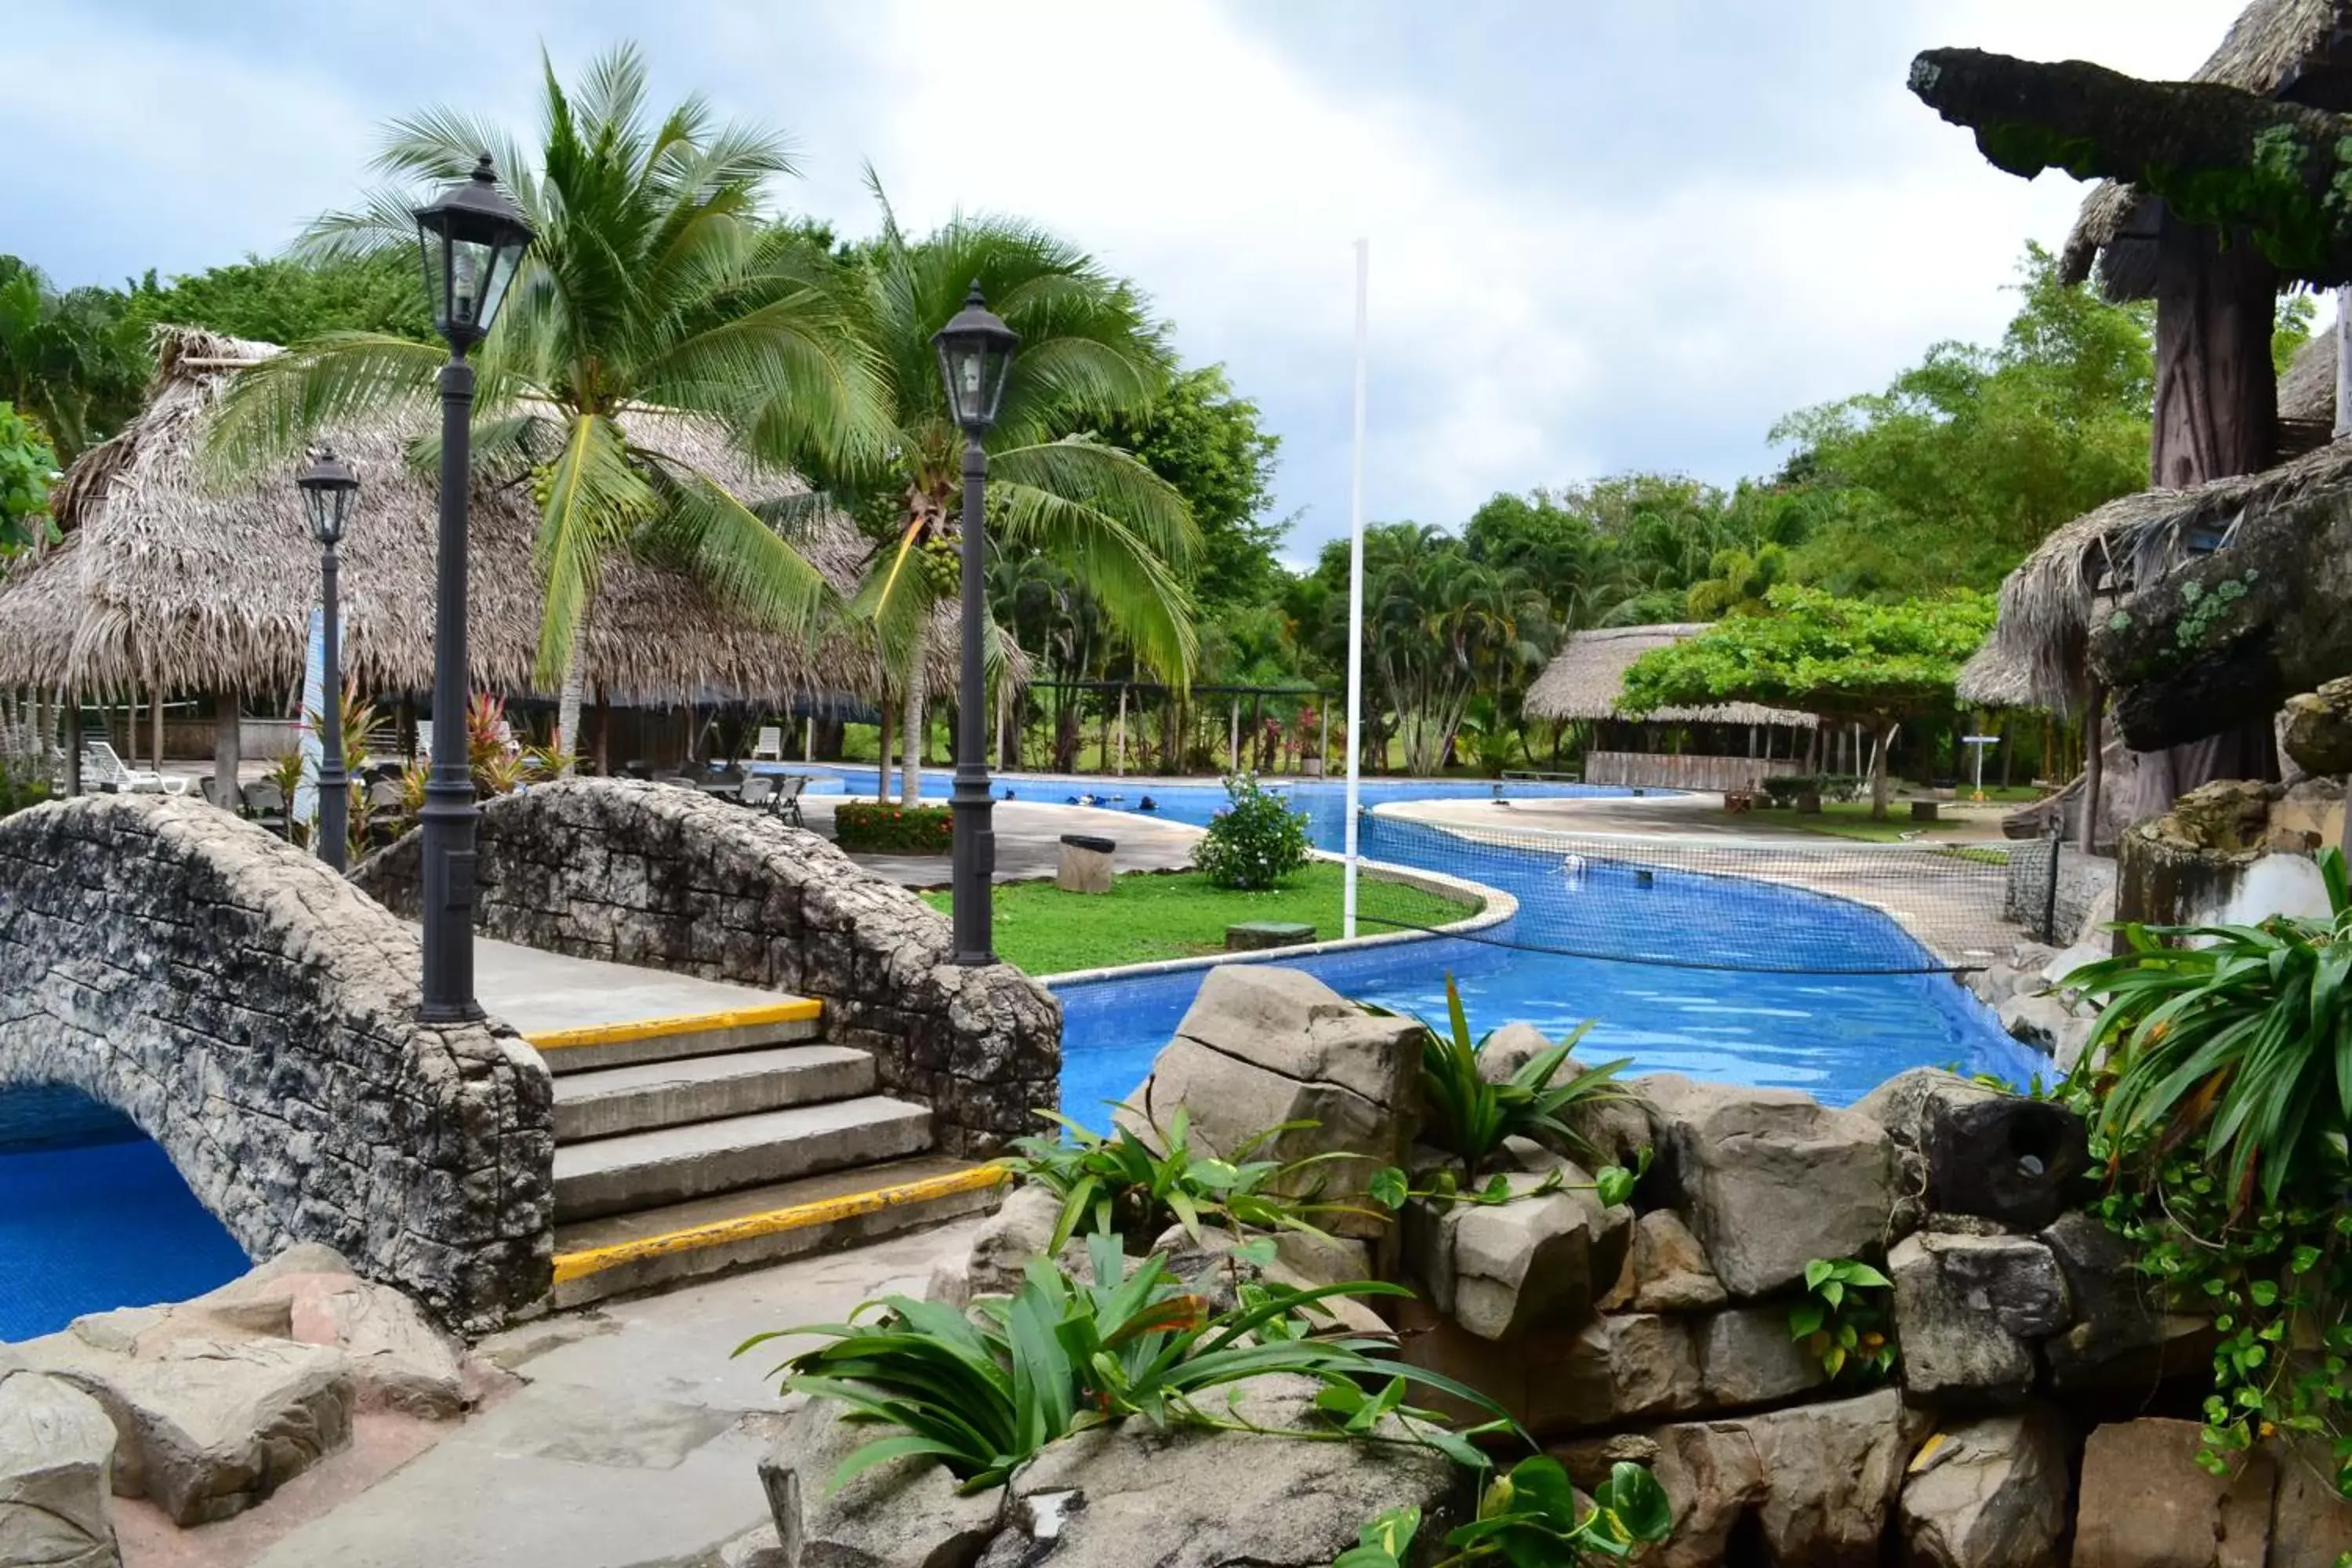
72,359
1440,628
1849,661
1087,350
656,281
27,465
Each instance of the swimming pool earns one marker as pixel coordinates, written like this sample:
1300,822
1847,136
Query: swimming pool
93,1217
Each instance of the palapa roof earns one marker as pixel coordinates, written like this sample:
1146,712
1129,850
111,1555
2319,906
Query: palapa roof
2279,49
2307,394
1587,679
166,580
2037,653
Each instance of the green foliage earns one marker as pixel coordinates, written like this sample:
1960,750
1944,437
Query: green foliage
1135,1189
1391,1188
290,300
2242,1041
1782,789
878,827
1468,1116
1529,1518
982,1391
1209,444
1958,469
72,359
1255,842
27,466
1841,1322
20,794
1740,583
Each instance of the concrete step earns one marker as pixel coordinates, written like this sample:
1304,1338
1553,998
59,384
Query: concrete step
593,1048
640,1171
656,1249
614,1100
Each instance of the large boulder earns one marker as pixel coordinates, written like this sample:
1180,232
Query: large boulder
1746,1356
2121,1341
1770,1178
1666,1269
1963,1148
1022,1228
1991,1494
1538,1261
1551,1383
209,1428
1968,1311
56,1457
399,1359
2318,728
1130,1497
2310,1521
1264,1045
2146,1503
905,1513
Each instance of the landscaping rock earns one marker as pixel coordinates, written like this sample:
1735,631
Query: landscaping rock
1551,1383
1266,1046
1515,1267
1963,1148
2310,1522
2144,1502
2047,1023
208,1429
2120,1340
1653,1366
1709,1471
1745,1356
1022,1228
1771,1178
1666,1269
2318,729
1129,1497
399,1360
1969,1308
56,1456
1513,1047
1991,1494
901,1514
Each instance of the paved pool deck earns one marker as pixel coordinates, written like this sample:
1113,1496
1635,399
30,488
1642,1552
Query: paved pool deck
546,993
1029,839
620,1436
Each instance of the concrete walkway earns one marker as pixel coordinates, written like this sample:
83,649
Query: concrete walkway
626,1438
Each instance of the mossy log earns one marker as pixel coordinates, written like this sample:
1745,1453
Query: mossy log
2233,635
2219,157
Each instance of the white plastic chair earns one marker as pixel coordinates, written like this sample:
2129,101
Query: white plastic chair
99,764
771,746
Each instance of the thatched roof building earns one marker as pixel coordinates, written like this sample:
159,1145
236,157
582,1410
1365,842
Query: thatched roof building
1588,678
2300,50
167,582
2037,654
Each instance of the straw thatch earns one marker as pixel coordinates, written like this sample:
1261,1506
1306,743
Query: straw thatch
167,582
2036,657
1588,678
2306,395
2275,48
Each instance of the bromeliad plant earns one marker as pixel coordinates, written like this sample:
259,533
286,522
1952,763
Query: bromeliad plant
1529,1518
1126,1187
1841,1322
1469,1117
982,1391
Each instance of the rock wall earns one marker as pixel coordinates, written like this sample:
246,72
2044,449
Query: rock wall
671,879
2084,882
2232,850
254,1015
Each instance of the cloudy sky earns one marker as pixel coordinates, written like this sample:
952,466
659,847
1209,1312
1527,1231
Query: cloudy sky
1605,235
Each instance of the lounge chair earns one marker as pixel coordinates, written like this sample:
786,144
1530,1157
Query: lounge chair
265,802
787,802
758,791
770,747
101,766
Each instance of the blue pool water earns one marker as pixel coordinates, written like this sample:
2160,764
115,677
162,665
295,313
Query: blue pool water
1835,1037
92,1215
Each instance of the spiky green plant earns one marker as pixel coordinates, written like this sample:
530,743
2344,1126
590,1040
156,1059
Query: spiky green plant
1469,1117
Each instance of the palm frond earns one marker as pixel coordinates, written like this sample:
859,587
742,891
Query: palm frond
596,497
272,410
734,551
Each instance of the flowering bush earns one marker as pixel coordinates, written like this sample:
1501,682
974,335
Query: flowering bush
1255,842
880,828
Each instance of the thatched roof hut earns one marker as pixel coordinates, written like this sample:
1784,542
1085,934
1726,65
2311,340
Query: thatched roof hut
165,581
1588,678
2299,50
2306,395
2036,655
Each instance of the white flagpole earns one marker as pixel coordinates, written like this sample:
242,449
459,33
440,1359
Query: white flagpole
1355,585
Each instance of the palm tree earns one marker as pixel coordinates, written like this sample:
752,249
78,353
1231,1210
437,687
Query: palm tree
1087,350
656,281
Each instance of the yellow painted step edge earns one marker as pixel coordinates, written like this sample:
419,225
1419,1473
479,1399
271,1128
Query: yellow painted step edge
793,1010
571,1266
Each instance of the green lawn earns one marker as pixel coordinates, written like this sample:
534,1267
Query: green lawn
1148,916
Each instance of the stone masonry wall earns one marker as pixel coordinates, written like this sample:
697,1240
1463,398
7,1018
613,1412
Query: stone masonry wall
2084,883
671,879
254,1014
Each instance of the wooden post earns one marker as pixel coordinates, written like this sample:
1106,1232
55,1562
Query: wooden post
1323,743
73,742
155,725
1233,739
2094,767
1121,768
228,750
882,779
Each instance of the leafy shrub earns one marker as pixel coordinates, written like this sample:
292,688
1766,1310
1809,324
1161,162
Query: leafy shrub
878,827
1528,1516
1841,1322
2220,1110
19,794
1255,842
1782,789
1132,1191
1469,1118
982,1391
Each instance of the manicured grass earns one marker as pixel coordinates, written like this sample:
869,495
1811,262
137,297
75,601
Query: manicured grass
1148,916
1852,819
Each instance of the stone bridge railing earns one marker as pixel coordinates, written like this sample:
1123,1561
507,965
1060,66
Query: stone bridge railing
255,1015
671,879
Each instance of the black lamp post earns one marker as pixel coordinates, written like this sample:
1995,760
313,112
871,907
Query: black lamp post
472,241
328,487
975,358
